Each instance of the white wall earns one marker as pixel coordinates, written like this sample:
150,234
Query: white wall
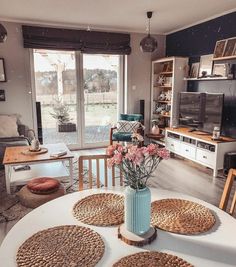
17,64
18,86
139,74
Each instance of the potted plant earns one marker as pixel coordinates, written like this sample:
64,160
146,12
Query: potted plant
61,114
137,164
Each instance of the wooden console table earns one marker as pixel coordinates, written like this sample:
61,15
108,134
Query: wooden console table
199,147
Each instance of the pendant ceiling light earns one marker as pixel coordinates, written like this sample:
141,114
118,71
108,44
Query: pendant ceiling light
148,43
3,34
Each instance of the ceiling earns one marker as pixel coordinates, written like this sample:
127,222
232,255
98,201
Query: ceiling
118,15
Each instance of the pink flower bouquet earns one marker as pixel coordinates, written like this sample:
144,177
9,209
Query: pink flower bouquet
136,163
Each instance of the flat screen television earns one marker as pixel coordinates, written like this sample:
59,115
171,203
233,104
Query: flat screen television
201,111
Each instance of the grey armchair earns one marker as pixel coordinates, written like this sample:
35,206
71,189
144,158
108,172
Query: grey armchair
21,140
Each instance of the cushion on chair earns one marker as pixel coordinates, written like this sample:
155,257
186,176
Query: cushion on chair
131,117
43,185
8,126
119,136
127,126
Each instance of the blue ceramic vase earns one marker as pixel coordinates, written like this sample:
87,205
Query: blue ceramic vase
137,210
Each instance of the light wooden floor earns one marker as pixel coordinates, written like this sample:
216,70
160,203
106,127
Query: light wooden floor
174,174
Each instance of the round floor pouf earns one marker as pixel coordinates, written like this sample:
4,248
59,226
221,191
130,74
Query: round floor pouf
31,200
43,185
66,245
152,259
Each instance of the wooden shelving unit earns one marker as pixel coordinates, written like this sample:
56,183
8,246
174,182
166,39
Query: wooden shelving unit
171,71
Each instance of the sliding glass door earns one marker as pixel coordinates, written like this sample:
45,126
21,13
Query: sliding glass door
80,96
102,93
56,93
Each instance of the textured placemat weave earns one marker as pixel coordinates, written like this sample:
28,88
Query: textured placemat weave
67,246
181,216
100,209
152,259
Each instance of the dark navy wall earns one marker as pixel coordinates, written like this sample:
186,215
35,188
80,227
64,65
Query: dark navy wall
200,40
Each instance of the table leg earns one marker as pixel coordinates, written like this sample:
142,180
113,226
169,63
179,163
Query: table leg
7,178
71,171
215,173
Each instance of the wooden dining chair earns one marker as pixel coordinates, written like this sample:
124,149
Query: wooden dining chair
94,162
226,192
233,205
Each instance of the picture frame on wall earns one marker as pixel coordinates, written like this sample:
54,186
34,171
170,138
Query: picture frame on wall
229,47
220,70
194,70
205,69
3,77
219,48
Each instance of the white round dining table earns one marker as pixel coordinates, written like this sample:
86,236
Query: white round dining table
215,248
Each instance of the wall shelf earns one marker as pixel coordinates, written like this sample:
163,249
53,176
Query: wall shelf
208,79
164,116
165,86
163,101
166,73
224,58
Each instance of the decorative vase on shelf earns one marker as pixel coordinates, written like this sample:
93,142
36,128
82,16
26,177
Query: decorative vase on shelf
155,129
137,210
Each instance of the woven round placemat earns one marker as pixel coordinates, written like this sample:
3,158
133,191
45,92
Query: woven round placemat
103,209
181,216
67,246
152,259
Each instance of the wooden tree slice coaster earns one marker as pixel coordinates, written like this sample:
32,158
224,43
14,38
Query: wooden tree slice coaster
136,240
152,259
103,209
67,245
181,216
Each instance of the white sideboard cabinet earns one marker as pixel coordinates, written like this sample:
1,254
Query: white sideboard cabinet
199,147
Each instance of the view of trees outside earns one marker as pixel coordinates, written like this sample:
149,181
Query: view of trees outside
101,95
55,80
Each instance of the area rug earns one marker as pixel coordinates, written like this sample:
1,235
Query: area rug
10,207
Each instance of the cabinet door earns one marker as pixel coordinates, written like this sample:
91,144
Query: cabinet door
188,151
173,145
206,157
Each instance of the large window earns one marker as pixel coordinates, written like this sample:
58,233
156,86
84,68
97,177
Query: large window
80,95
